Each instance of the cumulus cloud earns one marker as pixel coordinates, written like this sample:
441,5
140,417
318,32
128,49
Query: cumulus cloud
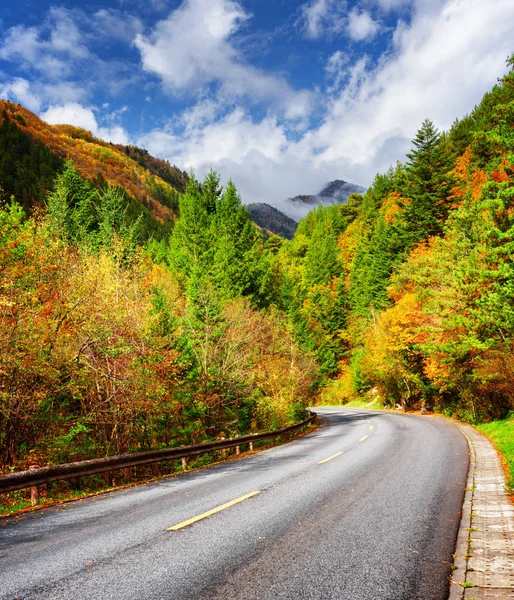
35,95
188,62
81,116
60,55
442,65
323,18
18,90
439,66
361,26
113,24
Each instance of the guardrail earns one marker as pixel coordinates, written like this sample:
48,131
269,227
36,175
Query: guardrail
39,476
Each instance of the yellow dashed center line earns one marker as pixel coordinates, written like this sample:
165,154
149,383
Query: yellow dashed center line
329,458
212,512
363,438
371,428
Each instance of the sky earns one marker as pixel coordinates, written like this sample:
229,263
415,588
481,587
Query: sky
282,96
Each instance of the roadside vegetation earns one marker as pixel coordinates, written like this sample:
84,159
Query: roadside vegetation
126,327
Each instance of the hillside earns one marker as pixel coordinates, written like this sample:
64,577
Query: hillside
406,292
151,182
109,344
271,219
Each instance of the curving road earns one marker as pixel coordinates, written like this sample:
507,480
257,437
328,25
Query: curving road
376,521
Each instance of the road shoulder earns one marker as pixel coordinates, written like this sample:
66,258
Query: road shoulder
484,557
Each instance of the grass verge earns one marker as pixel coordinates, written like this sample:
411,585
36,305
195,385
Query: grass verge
502,434
364,403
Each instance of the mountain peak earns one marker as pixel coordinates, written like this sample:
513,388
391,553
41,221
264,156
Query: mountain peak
334,192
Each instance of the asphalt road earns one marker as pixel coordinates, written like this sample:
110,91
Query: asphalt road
378,521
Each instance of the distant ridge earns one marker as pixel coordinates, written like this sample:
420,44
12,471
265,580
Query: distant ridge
335,192
271,219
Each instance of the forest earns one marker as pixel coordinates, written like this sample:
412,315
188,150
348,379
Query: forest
124,329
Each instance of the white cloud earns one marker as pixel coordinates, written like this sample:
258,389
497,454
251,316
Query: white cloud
361,26
233,137
81,116
58,53
200,115
111,24
336,70
194,48
51,48
314,14
35,95
389,5
19,90
323,17
185,60
441,64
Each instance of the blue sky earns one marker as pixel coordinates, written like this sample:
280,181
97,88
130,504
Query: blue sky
280,95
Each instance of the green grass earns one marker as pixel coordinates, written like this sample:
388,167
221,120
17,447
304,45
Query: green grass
364,403
502,434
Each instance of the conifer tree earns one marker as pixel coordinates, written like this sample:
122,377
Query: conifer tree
190,239
321,260
428,185
235,238
211,191
115,234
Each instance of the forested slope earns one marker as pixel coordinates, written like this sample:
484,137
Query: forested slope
408,290
114,339
108,347
34,151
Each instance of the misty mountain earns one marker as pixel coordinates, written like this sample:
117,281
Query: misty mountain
335,192
271,219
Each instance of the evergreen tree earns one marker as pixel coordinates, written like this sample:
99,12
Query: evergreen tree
428,185
190,241
235,261
321,260
72,206
373,266
115,233
211,191
27,168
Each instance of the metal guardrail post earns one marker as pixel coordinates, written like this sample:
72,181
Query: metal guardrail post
34,490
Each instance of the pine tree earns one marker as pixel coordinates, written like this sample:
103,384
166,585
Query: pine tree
115,233
428,185
190,243
321,260
211,191
234,261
